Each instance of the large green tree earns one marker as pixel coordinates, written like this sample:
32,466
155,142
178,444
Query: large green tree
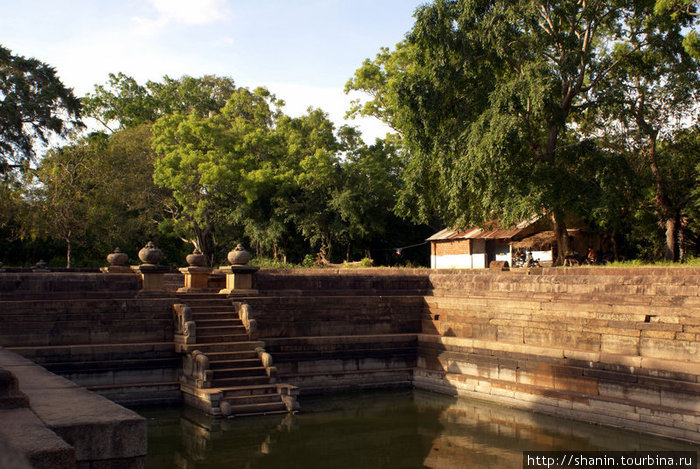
97,192
217,163
34,104
123,102
647,101
486,94
312,164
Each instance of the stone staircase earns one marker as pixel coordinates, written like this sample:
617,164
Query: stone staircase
225,370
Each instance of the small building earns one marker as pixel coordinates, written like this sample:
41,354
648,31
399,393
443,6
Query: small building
475,248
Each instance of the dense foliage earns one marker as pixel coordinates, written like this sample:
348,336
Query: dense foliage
582,112
33,105
200,162
510,109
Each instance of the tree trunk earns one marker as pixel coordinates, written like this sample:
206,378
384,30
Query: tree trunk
671,249
204,242
68,252
561,235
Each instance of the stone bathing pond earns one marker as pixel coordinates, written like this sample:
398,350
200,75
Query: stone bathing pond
610,347
377,429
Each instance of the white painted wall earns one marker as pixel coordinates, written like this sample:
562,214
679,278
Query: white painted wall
541,256
459,261
479,261
453,261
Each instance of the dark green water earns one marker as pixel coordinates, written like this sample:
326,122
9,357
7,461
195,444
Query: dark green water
385,429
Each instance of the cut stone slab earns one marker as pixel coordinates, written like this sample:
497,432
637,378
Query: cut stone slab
97,428
24,439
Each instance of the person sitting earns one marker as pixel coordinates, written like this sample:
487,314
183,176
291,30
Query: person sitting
531,261
592,257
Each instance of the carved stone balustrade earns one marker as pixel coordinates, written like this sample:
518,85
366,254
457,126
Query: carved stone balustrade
185,327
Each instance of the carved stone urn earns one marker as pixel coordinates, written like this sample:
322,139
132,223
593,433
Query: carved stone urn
117,258
196,259
239,256
150,254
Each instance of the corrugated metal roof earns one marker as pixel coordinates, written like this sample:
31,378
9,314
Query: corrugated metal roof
474,233
479,233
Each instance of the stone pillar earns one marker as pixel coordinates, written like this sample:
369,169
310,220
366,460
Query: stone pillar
117,263
152,274
196,274
239,277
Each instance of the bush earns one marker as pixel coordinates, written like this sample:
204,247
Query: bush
309,261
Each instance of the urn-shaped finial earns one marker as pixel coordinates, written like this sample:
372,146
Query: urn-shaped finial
150,254
196,259
239,256
117,258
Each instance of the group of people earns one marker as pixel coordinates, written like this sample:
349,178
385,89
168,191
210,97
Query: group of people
522,258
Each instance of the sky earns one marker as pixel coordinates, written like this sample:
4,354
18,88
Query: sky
303,51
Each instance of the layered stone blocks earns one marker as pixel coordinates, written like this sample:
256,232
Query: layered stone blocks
617,347
65,426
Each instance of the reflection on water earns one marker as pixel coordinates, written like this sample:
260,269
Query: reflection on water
382,429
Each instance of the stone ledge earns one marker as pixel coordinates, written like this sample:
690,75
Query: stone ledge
98,429
22,430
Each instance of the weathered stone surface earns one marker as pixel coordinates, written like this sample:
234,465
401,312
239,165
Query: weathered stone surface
29,441
96,428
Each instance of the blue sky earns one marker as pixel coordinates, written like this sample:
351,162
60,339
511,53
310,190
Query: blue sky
303,51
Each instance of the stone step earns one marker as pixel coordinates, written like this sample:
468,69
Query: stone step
203,316
201,296
204,304
251,390
240,381
218,364
265,408
239,345
208,331
104,365
254,399
240,372
223,338
223,322
218,357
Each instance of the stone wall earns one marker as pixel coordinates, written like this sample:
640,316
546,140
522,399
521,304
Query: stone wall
93,329
349,281
612,346
51,423
336,329
56,285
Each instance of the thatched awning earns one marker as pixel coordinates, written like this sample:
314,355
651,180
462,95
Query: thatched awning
542,241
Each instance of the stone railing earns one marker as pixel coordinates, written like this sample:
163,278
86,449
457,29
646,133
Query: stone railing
251,326
196,372
185,327
266,360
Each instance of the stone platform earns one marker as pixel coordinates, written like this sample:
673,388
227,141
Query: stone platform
66,426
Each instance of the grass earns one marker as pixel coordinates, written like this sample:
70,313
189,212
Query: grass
689,262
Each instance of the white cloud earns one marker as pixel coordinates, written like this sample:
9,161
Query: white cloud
189,12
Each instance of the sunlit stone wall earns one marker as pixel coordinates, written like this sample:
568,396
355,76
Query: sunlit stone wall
612,346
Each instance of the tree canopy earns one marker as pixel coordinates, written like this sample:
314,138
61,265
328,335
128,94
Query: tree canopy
123,102
33,105
488,96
